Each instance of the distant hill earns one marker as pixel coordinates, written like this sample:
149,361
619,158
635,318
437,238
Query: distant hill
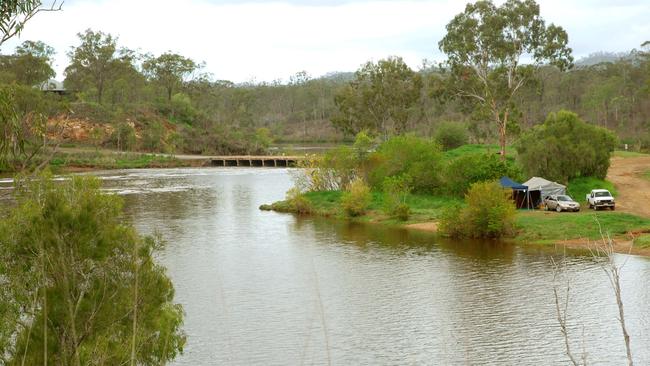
601,57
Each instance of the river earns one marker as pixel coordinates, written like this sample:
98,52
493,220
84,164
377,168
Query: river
263,288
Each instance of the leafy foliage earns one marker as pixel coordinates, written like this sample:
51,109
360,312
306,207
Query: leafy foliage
488,213
451,135
97,63
416,157
484,45
356,199
169,70
565,147
380,100
468,169
396,190
79,285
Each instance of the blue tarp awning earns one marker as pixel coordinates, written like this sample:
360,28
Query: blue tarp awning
509,183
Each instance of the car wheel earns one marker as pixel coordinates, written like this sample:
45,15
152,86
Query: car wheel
613,208
558,208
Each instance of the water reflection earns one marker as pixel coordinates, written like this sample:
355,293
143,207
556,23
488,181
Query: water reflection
273,289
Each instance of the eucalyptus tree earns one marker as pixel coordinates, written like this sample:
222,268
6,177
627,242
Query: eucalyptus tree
30,65
382,95
14,14
95,63
493,51
170,70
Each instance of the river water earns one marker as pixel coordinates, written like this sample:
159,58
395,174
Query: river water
263,288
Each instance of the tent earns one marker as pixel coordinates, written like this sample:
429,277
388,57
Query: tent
520,192
544,187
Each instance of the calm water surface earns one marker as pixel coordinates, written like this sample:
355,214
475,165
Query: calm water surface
262,288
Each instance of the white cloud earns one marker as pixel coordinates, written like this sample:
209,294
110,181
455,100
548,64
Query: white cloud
271,40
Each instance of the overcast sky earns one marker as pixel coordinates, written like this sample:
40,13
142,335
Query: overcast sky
265,40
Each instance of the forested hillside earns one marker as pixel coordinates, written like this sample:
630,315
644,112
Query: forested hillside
167,103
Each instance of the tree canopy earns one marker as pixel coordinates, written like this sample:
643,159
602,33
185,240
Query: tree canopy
566,147
96,62
169,70
381,98
486,46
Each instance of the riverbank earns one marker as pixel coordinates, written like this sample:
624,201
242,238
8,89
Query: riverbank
631,233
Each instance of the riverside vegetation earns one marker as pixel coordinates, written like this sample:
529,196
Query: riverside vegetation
408,179
167,103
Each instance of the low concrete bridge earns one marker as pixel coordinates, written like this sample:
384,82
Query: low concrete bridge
251,160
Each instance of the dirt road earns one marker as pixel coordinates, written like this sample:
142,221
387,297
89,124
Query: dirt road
633,190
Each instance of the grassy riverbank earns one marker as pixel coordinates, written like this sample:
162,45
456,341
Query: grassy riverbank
90,160
532,227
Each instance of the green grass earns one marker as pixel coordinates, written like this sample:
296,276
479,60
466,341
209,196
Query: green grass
628,154
539,226
578,188
99,160
532,226
423,207
642,241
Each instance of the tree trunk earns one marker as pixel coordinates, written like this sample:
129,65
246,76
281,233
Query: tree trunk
501,123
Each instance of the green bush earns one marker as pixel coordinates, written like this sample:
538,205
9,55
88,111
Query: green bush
488,213
153,137
182,109
416,157
123,138
451,135
356,199
395,192
402,212
466,170
297,202
566,147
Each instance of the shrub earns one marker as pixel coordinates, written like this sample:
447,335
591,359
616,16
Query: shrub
489,213
419,158
566,147
356,200
153,137
402,212
465,170
182,109
395,190
123,138
297,202
335,169
451,135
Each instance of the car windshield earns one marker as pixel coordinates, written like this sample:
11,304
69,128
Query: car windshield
603,194
564,198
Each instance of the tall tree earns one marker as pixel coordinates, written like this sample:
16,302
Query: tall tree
95,62
15,13
170,70
485,46
382,95
30,65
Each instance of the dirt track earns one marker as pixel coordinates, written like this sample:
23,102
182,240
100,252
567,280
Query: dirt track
633,190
